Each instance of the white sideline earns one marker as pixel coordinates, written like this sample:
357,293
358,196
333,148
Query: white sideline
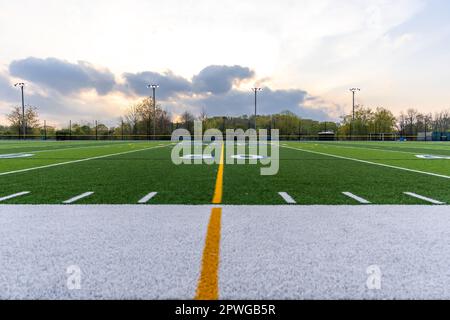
355,197
14,195
76,161
81,196
414,195
74,148
148,197
287,197
385,150
370,162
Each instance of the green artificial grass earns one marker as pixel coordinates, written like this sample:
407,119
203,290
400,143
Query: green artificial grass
310,178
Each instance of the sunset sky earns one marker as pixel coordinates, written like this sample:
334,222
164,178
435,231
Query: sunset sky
87,60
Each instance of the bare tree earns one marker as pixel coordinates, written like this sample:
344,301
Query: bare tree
203,115
31,118
187,120
132,118
411,121
441,121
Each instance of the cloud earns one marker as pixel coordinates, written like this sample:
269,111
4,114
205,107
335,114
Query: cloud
7,91
212,90
219,79
238,102
212,79
170,84
63,76
215,89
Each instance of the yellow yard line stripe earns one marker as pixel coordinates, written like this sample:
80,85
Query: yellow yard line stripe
208,285
217,199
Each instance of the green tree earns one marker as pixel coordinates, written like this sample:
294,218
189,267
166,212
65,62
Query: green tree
383,121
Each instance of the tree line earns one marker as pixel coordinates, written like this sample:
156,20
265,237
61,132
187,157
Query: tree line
143,120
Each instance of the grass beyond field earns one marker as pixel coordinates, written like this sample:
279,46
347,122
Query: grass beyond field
310,173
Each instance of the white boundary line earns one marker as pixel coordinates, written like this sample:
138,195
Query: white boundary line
74,148
66,147
378,148
148,197
287,197
77,161
81,196
373,163
355,197
14,195
418,196
373,149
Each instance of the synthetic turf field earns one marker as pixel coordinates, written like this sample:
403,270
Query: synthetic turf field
311,173
249,245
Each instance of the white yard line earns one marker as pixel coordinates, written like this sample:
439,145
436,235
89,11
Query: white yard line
76,148
76,161
379,147
81,196
373,163
287,198
147,198
72,148
418,196
385,150
355,197
14,195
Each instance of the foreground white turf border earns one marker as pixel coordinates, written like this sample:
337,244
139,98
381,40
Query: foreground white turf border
355,197
14,195
79,160
287,197
148,197
370,162
418,196
267,252
81,196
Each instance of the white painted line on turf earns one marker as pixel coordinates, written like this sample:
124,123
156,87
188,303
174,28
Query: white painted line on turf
287,197
14,195
76,148
355,197
81,196
77,161
376,149
418,196
147,198
373,163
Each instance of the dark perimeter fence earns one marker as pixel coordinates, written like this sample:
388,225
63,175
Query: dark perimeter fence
54,136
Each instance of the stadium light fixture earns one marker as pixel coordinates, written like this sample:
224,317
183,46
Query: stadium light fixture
256,90
353,91
154,87
21,85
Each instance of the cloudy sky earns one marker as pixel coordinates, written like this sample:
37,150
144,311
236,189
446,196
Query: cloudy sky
91,59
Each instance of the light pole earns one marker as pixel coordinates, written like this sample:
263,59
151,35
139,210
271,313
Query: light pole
154,87
24,128
256,90
353,90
